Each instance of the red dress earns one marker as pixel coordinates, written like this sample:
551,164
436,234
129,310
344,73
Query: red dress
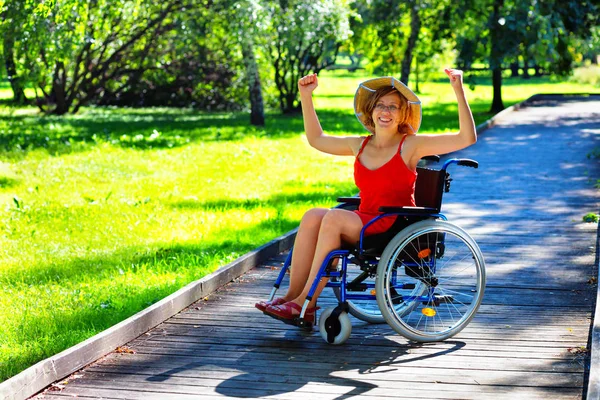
392,184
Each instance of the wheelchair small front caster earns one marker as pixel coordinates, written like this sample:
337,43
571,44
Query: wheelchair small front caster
335,325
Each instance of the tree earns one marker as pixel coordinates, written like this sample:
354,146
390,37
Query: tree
497,54
393,32
13,16
246,19
542,31
197,63
415,28
305,37
82,50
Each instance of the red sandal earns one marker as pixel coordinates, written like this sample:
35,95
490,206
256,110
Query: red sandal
262,305
290,313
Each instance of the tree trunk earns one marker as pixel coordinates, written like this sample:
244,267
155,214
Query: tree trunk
496,57
415,27
11,70
525,68
58,93
290,107
417,75
514,69
497,104
257,108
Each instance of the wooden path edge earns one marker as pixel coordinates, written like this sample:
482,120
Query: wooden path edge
44,373
52,369
593,387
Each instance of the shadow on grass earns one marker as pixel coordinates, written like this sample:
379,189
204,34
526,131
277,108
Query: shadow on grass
277,201
167,128
243,239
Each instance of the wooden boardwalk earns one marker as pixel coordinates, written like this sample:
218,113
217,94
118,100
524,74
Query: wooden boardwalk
524,206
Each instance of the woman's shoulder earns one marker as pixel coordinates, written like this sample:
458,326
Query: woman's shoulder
356,143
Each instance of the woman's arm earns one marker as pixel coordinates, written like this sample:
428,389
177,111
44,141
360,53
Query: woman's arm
341,146
449,142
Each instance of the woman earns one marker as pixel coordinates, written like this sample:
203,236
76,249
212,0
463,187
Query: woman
384,171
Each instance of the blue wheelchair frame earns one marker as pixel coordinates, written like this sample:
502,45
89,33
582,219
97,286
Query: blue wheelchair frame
344,255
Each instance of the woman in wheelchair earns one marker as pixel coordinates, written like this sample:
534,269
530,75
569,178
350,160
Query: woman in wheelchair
384,171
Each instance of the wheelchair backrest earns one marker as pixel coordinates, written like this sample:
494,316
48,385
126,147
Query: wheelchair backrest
429,187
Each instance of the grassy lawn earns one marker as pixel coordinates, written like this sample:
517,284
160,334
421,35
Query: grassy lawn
105,212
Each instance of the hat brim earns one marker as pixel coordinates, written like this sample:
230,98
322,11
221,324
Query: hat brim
366,88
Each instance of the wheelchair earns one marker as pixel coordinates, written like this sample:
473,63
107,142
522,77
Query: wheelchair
425,277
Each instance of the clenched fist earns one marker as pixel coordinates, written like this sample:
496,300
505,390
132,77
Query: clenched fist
307,84
456,77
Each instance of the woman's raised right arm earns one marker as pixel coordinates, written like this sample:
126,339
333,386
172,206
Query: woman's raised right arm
336,145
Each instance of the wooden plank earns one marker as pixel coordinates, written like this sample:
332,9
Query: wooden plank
400,372
449,360
289,342
298,387
372,345
593,387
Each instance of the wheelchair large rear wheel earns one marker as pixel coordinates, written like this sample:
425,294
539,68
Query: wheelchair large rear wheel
431,279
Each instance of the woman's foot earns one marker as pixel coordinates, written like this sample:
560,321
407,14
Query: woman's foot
289,313
262,305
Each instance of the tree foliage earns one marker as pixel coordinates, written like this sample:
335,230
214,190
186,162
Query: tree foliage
304,37
243,54
538,32
12,16
197,64
79,52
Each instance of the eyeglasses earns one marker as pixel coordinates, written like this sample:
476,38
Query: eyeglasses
391,108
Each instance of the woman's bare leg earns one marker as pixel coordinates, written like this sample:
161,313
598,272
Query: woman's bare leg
336,226
304,251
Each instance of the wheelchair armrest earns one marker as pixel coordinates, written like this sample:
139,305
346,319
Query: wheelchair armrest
349,200
433,157
468,163
461,161
409,210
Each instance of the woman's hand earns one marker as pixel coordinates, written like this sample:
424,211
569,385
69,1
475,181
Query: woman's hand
307,84
456,77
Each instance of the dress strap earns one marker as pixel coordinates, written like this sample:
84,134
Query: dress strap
362,146
401,144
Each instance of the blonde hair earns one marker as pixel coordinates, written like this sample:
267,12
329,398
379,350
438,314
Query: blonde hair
368,106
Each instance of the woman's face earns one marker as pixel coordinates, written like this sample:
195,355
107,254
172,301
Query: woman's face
388,111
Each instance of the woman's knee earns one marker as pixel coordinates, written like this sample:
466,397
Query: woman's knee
344,223
313,217
335,219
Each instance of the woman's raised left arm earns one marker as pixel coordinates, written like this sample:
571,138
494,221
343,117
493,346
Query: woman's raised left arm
449,142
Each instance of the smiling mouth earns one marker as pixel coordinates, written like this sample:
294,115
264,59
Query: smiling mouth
384,120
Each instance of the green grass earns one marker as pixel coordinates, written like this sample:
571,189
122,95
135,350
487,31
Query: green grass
105,212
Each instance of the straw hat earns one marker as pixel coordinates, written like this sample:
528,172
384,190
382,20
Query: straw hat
365,90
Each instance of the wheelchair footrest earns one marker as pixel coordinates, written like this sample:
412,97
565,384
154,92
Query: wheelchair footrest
297,322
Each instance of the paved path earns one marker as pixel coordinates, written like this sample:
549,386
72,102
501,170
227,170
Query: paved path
524,206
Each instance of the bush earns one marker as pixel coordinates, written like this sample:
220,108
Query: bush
589,75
